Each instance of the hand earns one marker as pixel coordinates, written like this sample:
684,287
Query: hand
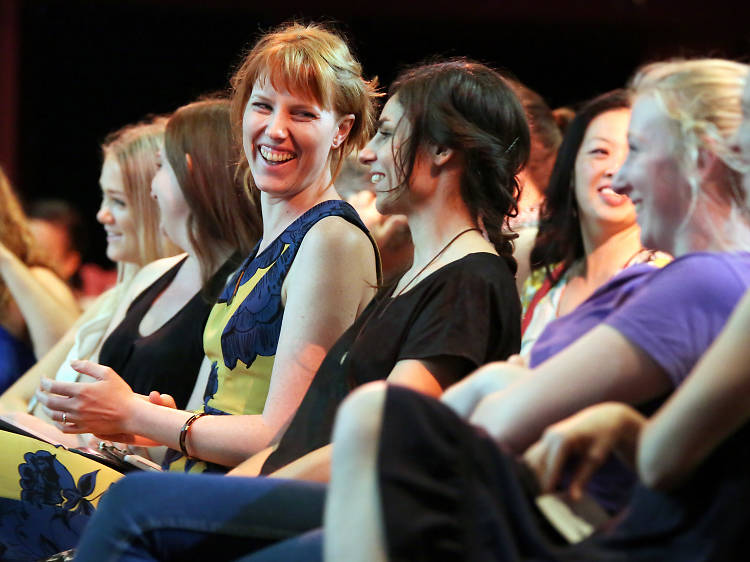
590,435
102,407
159,399
463,397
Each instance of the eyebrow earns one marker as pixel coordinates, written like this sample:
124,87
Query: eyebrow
610,141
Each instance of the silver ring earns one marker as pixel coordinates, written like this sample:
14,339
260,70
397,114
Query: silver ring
64,418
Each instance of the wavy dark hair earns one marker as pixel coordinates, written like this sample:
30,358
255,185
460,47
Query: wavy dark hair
470,108
559,239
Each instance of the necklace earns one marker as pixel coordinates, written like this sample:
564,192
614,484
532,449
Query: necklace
428,264
388,300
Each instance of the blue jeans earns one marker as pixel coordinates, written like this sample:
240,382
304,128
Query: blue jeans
205,517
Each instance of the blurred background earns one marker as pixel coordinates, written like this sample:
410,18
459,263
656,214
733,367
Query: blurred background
73,70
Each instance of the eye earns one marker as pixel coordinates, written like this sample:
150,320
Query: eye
384,133
305,115
599,151
631,147
261,106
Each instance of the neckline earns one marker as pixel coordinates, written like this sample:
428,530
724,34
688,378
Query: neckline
389,295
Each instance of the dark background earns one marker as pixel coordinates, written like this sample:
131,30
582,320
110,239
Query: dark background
73,70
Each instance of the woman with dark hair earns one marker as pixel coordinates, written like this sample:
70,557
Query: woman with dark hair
451,487
450,141
587,233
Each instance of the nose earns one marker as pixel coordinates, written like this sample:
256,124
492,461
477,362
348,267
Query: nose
103,215
367,155
621,187
277,127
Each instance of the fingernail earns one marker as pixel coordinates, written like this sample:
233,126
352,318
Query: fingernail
46,383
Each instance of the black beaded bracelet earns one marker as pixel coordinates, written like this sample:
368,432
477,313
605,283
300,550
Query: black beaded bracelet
185,429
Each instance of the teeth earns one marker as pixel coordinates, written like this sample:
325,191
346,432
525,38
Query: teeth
272,156
376,177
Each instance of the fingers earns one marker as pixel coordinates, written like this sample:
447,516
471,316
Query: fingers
516,359
54,401
588,464
547,457
99,372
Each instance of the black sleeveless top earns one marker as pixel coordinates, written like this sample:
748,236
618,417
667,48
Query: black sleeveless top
168,360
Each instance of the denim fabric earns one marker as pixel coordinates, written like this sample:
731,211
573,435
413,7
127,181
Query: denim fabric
202,517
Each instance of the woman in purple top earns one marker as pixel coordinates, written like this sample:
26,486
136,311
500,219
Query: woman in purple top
689,203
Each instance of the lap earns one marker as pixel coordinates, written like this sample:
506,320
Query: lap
47,495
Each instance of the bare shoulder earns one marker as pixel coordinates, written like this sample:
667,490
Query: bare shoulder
334,238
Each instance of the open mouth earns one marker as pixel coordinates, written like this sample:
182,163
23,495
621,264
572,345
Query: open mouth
375,177
276,157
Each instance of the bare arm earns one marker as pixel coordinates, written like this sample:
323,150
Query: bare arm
46,303
327,286
600,366
709,406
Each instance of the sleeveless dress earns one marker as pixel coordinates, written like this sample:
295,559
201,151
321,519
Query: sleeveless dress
243,329
48,493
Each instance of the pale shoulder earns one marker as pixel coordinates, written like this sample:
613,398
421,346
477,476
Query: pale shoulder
333,238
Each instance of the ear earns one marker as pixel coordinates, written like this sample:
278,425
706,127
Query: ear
189,162
440,154
342,131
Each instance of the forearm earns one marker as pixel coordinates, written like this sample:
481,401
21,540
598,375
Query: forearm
224,440
45,302
314,467
709,406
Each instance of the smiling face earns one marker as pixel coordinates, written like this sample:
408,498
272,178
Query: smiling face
173,209
602,152
652,177
288,140
115,214
384,175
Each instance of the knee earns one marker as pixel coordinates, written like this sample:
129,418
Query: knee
358,421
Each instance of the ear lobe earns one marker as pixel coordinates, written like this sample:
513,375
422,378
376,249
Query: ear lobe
344,127
189,162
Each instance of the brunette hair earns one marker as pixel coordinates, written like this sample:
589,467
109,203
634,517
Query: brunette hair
223,217
559,239
308,60
470,108
14,233
136,150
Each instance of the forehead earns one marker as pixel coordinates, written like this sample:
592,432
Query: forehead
610,125
649,117
279,86
111,176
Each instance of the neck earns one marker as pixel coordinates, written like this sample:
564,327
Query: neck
713,227
433,226
280,212
605,256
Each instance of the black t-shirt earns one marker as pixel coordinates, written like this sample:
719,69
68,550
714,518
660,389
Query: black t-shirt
467,310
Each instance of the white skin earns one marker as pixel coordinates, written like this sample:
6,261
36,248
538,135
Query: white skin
435,213
335,264
608,222
741,144
601,366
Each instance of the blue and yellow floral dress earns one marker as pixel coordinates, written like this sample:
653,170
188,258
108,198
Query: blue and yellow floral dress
48,493
243,328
